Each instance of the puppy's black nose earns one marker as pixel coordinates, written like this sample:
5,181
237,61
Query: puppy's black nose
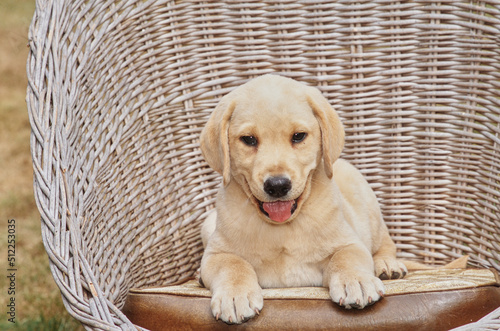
277,187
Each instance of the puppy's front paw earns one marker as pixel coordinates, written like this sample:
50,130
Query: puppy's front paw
352,290
235,305
389,268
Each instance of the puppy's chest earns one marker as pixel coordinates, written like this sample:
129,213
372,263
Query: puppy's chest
282,267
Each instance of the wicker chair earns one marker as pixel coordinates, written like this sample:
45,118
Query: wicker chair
119,91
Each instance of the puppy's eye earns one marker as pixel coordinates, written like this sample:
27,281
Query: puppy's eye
249,140
298,137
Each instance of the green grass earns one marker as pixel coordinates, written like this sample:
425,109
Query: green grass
42,323
38,300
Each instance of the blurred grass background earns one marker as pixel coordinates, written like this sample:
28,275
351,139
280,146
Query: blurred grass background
38,301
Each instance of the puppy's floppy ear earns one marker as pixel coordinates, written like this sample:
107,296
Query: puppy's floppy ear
214,139
332,130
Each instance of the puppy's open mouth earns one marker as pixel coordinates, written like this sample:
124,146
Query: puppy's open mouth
278,211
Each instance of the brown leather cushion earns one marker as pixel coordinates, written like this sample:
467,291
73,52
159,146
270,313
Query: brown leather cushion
435,310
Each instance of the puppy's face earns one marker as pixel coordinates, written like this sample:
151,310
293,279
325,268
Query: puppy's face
274,146
269,135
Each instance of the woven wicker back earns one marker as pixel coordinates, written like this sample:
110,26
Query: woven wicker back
119,91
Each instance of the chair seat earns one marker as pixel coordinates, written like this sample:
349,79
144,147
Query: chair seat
424,300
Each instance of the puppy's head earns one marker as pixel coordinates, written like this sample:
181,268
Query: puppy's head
269,135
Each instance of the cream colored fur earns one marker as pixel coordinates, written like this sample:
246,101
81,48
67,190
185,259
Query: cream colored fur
336,236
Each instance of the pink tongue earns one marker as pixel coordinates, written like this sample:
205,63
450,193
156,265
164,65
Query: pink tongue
278,211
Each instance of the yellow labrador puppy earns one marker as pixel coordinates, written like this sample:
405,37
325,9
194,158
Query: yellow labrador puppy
290,213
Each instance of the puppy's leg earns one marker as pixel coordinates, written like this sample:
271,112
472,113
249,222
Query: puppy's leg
208,227
386,264
350,278
236,294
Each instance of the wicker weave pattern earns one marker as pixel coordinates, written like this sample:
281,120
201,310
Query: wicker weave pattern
119,91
